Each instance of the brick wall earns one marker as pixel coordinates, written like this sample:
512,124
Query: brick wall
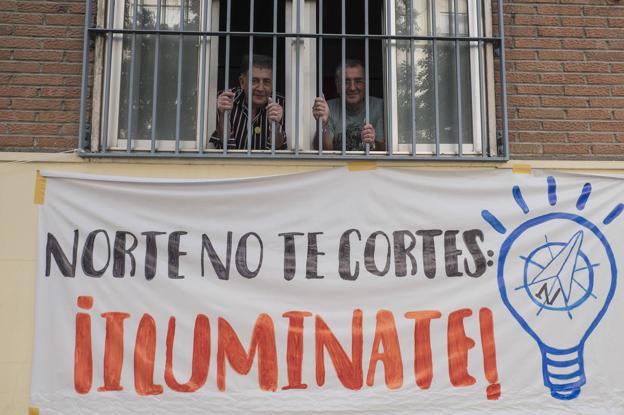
565,76
40,73
565,73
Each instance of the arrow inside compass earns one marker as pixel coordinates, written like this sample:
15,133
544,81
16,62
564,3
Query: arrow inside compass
559,272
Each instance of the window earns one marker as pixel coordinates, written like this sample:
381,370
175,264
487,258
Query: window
151,86
440,86
429,68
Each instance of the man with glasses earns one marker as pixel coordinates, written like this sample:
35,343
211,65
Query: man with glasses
359,130
266,114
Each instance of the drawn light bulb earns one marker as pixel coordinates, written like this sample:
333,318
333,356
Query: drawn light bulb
557,276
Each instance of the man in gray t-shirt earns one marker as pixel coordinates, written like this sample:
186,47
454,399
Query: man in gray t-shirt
358,131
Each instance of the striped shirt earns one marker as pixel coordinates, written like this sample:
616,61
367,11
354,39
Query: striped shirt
261,126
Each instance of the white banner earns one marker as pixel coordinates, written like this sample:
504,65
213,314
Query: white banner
381,291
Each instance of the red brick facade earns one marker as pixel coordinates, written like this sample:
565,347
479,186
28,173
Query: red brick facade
565,76
40,73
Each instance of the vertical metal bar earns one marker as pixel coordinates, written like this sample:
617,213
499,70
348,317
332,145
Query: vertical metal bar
84,87
343,80
250,80
297,75
107,77
204,40
135,10
155,85
226,115
435,78
319,122
273,72
460,134
412,80
179,91
503,78
480,47
366,72
390,84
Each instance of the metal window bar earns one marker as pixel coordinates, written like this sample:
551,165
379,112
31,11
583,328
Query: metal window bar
366,74
273,74
491,39
111,31
319,122
436,100
84,87
135,10
107,76
503,78
202,93
298,42
155,85
250,115
482,86
343,100
225,139
460,135
179,87
412,75
389,67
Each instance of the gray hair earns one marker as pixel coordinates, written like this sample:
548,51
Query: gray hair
349,63
259,61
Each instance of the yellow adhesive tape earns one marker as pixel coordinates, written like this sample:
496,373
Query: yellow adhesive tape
521,169
362,165
40,188
33,411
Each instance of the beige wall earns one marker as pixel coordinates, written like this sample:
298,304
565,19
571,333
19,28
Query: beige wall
18,225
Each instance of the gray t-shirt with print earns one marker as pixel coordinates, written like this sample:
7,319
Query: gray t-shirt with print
354,122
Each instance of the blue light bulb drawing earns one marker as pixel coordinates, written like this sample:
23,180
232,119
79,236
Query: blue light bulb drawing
557,276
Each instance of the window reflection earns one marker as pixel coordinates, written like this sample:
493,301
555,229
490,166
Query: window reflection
143,73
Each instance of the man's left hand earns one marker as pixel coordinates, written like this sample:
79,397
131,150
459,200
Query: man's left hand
274,111
368,134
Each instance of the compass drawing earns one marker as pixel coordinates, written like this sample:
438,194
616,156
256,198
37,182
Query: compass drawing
557,275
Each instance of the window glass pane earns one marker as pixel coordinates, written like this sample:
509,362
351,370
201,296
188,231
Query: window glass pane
423,98
143,71
414,74
445,23
420,14
447,64
419,91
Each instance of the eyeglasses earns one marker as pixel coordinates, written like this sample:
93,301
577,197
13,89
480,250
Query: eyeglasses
264,82
353,83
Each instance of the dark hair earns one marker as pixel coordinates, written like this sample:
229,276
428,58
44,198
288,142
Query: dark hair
259,61
349,63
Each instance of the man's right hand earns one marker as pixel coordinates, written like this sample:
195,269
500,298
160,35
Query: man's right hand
320,110
225,101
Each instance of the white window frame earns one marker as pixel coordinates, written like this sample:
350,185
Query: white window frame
210,91
474,148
